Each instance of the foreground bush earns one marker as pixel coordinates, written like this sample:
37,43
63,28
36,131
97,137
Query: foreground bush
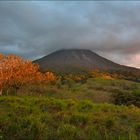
127,98
16,72
38,118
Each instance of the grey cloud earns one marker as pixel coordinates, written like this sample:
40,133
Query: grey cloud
34,29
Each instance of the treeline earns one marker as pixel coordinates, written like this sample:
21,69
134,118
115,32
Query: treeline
112,74
132,75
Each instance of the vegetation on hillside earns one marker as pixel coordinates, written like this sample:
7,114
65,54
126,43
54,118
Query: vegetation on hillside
86,106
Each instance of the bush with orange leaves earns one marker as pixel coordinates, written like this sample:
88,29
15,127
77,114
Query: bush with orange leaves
103,74
49,76
15,72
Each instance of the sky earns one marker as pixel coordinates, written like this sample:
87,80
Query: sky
34,29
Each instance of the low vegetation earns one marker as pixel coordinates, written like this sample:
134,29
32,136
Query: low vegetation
40,118
43,106
98,90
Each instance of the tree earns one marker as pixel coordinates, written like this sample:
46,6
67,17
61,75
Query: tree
15,72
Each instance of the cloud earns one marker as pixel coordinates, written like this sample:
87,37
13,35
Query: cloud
33,29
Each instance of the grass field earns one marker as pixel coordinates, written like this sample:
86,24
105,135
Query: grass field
99,90
72,111
30,118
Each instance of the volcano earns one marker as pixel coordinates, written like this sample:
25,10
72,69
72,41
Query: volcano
78,60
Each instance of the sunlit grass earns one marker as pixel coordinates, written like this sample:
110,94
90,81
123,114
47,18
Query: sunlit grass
49,118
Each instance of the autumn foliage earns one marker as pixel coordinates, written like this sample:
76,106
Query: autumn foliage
15,72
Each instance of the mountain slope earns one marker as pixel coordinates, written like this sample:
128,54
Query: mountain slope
75,60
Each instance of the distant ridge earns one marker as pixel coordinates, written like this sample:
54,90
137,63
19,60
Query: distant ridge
76,60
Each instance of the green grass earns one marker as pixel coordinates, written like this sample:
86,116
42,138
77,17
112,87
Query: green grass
99,90
40,118
72,111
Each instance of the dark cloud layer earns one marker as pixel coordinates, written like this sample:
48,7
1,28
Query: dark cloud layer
34,29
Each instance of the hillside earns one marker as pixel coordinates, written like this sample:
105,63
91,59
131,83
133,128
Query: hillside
99,90
78,60
99,109
85,106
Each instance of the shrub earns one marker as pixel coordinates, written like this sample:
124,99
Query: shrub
16,72
128,98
